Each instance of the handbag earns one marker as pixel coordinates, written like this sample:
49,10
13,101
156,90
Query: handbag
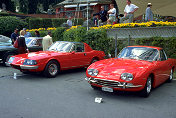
16,43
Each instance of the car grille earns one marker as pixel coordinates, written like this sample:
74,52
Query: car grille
107,83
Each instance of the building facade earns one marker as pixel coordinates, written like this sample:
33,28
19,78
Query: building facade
78,8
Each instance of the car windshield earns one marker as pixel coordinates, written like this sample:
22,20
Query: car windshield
141,53
61,46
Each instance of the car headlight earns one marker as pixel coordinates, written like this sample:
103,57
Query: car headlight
29,62
11,59
127,76
93,72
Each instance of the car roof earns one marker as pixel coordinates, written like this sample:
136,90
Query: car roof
158,48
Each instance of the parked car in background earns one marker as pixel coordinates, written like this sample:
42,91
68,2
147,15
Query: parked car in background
62,55
137,68
7,50
4,38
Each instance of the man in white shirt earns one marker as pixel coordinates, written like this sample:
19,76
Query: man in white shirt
129,12
69,21
47,41
112,14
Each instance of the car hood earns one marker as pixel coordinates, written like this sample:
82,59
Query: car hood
39,55
113,68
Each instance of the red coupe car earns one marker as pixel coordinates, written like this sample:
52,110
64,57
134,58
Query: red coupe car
62,55
137,68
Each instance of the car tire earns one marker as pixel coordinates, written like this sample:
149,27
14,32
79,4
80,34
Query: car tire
52,69
147,89
6,58
171,77
94,60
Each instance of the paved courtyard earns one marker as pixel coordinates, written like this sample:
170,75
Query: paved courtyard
70,96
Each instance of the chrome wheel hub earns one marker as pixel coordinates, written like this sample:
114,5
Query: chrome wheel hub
53,69
171,75
149,85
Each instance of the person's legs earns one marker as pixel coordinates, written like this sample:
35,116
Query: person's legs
99,23
124,18
131,16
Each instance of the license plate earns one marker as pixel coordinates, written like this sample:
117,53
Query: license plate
107,89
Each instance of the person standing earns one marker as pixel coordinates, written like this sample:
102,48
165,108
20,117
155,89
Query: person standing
112,14
27,34
95,20
129,12
22,48
103,16
37,33
69,21
149,13
14,35
47,41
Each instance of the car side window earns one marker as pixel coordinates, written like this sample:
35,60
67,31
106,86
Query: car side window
79,47
163,56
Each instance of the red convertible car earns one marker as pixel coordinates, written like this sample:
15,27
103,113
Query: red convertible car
137,68
62,55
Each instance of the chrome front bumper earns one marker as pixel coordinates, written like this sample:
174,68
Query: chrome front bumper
23,66
28,67
111,83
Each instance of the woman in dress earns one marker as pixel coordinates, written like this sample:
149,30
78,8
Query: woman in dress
22,48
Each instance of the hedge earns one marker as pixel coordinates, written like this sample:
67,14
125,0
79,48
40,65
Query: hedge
98,40
4,14
9,23
35,23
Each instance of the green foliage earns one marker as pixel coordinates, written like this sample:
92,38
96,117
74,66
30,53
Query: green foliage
77,34
77,21
4,14
58,34
47,22
35,23
9,5
97,39
42,33
9,23
57,22
168,44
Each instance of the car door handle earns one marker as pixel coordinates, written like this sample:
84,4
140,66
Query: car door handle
85,54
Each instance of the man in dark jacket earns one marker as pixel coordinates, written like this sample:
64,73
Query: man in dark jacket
103,16
14,35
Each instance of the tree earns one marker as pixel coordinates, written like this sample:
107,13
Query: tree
32,5
9,5
23,6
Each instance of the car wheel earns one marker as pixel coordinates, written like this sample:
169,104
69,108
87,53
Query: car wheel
94,60
147,89
6,58
171,77
51,69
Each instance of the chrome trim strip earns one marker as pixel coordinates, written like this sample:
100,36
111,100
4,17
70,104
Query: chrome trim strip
119,85
28,67
74,66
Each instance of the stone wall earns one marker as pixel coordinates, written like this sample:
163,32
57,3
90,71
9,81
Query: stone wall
142,32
